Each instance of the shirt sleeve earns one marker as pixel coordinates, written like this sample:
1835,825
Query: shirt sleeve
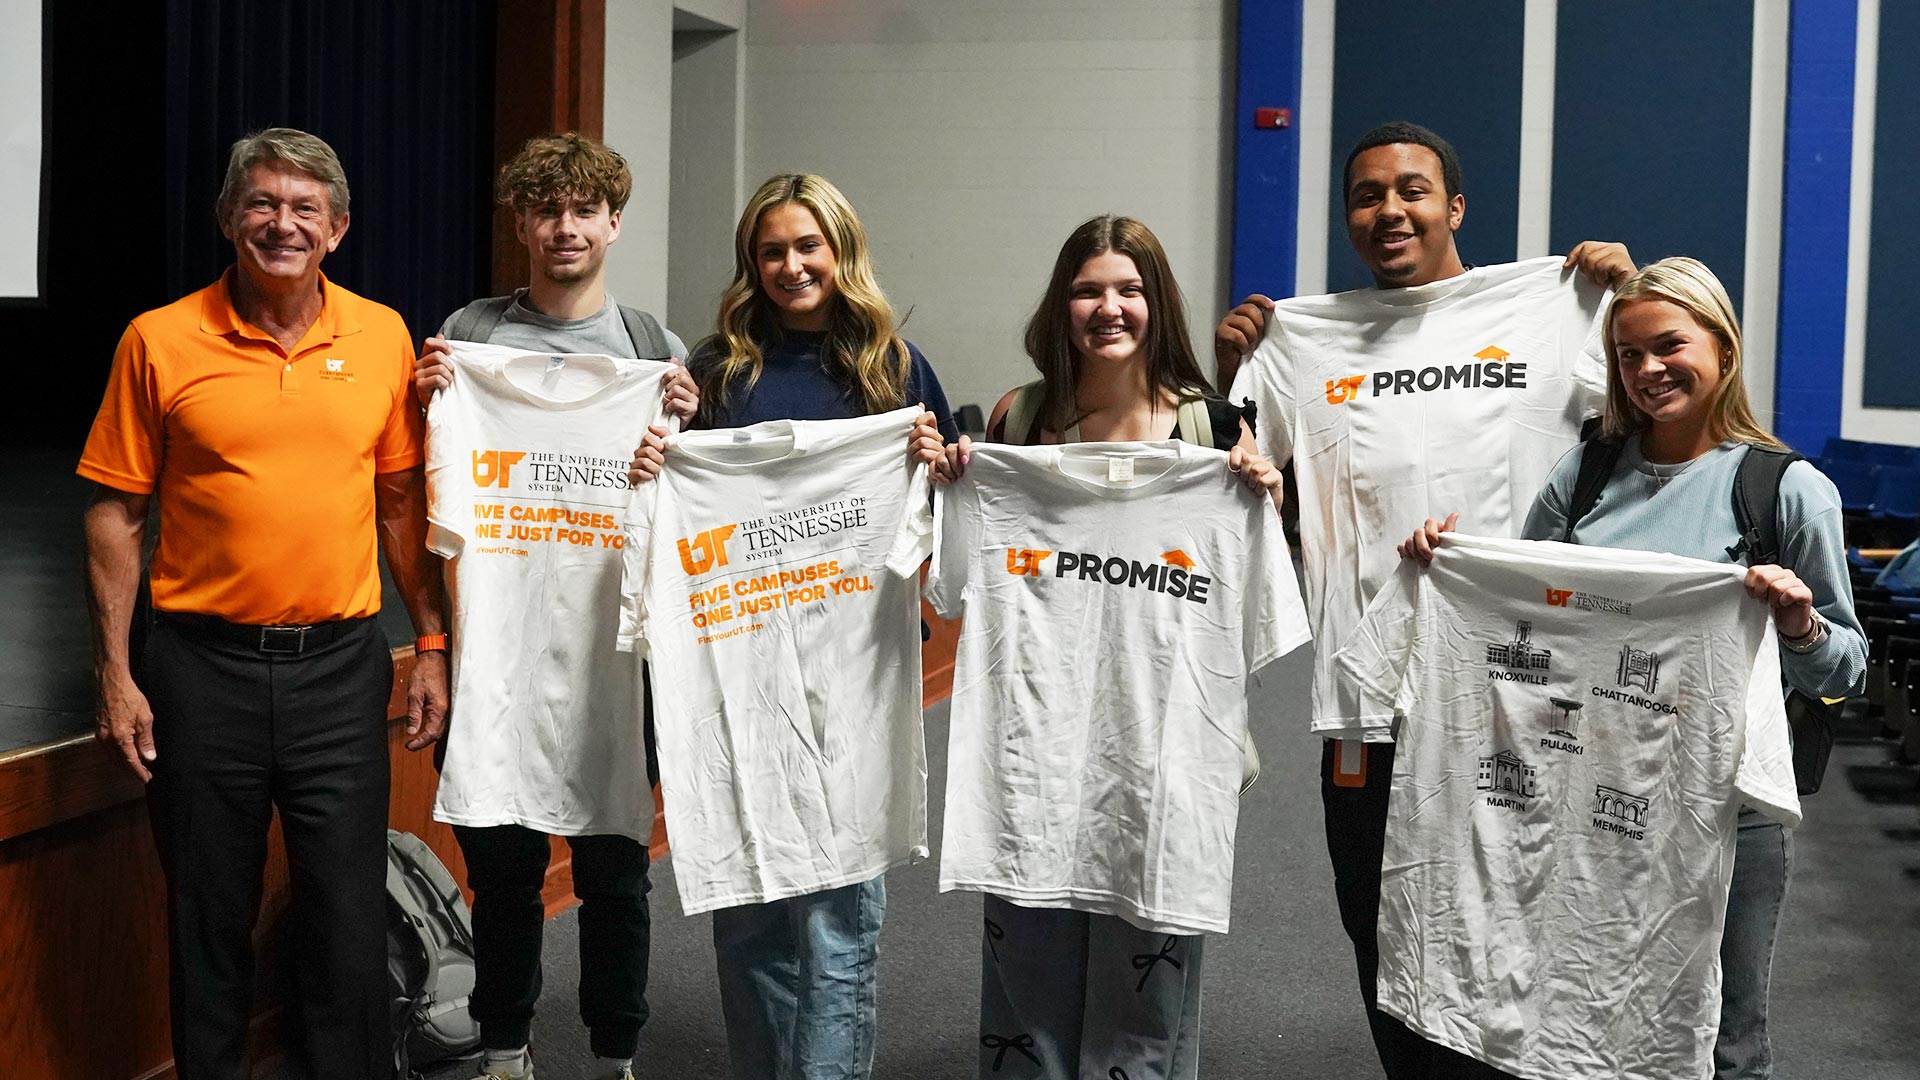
913,540
1764,777
1813,543
1379,652
1274,620
128,442
402,444
1547,519
446,493
923,386
675,345
1588,366
636,557
954,521
1263,381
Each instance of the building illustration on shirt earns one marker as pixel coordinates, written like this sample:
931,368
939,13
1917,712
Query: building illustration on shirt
1520,652
1567,720
1620,805
1639,668
1506,774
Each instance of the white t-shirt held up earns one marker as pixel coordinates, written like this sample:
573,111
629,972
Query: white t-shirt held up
1115,598
1582,726
1396,405
527,496
770,579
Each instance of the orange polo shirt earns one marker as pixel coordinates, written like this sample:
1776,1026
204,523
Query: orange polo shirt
263,459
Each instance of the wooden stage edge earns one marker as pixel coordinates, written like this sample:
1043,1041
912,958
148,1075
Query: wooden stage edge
83,953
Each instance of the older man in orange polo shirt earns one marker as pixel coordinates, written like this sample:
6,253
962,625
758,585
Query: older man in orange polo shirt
272,415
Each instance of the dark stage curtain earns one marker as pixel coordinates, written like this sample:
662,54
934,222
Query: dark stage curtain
404,94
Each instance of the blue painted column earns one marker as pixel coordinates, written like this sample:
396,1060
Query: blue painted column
1813,249
1266,161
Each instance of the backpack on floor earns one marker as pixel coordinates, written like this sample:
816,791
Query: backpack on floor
429,957
1756,508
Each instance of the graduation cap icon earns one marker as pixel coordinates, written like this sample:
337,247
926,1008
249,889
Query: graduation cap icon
1492,354
1179,558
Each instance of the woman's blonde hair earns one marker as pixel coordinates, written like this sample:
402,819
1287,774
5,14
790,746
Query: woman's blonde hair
861,346
1689,285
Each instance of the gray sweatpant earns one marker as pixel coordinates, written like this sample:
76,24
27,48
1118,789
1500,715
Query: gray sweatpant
1068,995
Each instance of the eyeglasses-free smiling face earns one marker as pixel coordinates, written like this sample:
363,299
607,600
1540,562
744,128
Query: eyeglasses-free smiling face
1670,365
1399,218
797,266
1107,309
282,225
567,239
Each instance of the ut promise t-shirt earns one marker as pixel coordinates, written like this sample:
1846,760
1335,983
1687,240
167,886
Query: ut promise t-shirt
1115,598
1396,405
1582,727
770,578
527,497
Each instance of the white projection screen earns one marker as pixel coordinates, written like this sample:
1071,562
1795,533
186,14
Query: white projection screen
21,128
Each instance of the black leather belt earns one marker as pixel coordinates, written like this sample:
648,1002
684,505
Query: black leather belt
290,640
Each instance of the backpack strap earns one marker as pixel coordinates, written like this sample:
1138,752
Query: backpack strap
1756,505
1196,424
1597,459
476,321
1021,424
648,336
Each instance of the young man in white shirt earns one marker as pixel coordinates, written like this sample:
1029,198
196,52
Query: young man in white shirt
566,192
1403,206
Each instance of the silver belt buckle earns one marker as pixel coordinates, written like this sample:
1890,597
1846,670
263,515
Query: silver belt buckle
283,640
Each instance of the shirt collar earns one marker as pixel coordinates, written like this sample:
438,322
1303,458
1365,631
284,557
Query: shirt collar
218,317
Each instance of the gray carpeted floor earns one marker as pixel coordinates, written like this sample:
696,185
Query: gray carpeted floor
1281,1001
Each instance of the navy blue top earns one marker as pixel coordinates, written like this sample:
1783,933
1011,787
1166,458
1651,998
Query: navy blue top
796,384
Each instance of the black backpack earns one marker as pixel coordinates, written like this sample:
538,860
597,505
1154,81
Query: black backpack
1756,509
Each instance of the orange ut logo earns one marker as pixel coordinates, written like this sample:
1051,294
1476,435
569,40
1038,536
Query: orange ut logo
712,548
1025,561
490,467
1344,389
1558,597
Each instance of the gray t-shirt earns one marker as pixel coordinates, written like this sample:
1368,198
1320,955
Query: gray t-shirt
603,332
1687,509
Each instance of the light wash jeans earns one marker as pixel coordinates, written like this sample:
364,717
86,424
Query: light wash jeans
1762,861
797,983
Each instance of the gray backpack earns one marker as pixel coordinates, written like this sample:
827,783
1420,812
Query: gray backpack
429,957
476,322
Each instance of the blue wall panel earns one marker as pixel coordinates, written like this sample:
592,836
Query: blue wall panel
1453,67
1266,162
1891,370
1650,112
1813,243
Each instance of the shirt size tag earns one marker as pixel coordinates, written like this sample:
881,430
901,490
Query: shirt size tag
1119,469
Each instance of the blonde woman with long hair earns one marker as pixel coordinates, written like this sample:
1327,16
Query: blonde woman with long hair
1678,417
804,333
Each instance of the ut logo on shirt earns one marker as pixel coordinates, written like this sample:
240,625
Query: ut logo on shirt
707,551
492,468
335,370
1492,371
1558,597
1025,562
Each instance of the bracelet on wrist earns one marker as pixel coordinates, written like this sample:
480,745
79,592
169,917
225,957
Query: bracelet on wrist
429,643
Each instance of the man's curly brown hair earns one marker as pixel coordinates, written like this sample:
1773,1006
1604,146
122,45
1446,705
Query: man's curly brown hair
550,168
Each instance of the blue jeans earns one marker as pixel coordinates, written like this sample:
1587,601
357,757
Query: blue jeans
1762,860
797,983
